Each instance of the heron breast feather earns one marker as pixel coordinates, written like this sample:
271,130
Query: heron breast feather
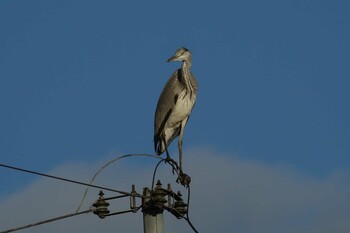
181,110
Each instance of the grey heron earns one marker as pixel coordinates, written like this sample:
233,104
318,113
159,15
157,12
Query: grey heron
175,105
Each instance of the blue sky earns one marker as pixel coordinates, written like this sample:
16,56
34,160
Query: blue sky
79,80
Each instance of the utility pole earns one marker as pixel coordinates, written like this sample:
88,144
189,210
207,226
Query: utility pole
152,216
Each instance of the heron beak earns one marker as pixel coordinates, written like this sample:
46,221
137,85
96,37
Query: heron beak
173,58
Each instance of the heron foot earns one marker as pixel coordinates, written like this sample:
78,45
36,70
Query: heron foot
171,162
168,159
184,179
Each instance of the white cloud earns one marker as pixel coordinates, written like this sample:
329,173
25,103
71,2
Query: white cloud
228,194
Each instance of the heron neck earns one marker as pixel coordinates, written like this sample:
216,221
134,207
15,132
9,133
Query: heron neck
185,69
187,77
186,65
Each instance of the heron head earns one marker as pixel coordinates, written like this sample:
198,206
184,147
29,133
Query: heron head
182,54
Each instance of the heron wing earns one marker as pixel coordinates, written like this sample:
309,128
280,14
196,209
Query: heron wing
166,103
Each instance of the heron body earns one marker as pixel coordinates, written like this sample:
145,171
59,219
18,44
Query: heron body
175,104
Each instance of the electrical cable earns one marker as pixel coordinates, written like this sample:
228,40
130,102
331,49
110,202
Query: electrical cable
47,221
187,218
154,173
100,187
123,212
64,179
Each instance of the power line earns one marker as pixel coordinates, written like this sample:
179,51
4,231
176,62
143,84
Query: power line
133,194
67,180
187,218
47,221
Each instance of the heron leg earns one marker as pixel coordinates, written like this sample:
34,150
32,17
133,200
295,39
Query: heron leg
168,158
180,150
166,149
183,123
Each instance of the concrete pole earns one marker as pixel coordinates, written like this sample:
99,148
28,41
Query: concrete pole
152,217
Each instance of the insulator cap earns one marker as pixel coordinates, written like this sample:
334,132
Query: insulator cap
158,195
101,206
180,207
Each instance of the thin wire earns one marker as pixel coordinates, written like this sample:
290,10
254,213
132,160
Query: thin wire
106,165
47,221
154,173
188,199
191,225
123,212
65,179
187,218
